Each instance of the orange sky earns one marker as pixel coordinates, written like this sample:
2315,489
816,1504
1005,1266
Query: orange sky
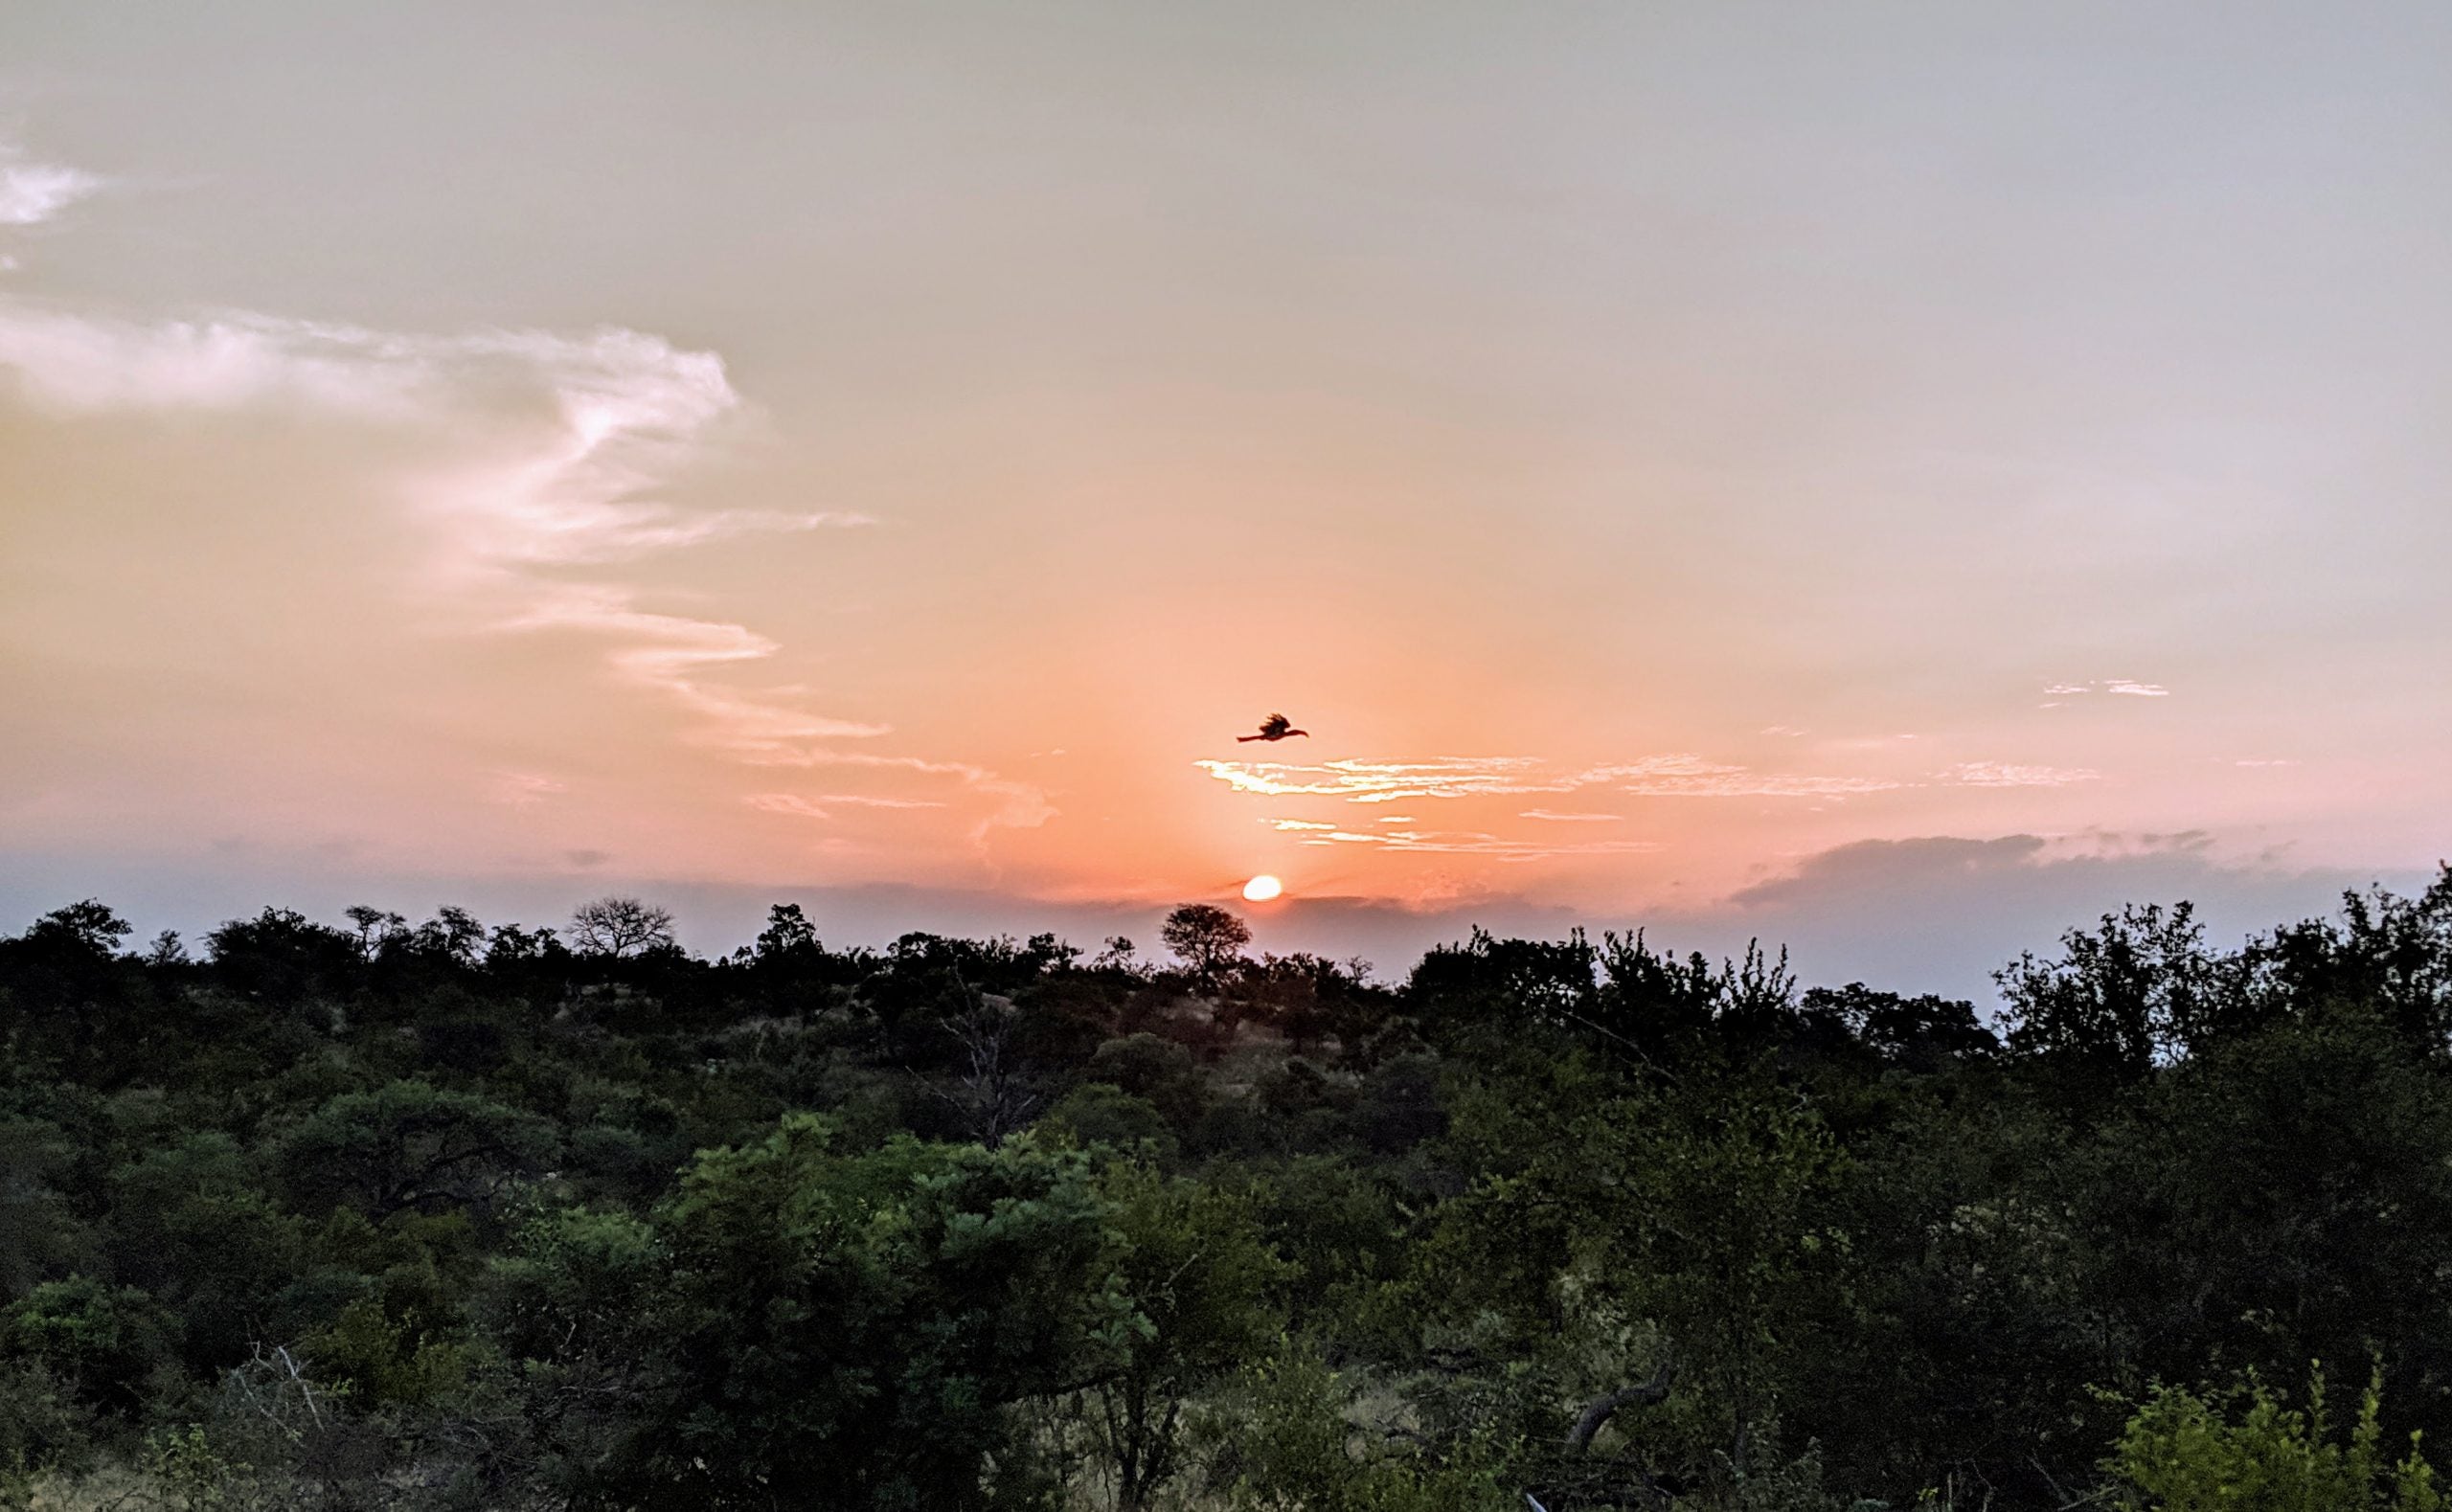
811,450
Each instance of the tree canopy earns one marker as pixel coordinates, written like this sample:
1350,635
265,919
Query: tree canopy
439,1211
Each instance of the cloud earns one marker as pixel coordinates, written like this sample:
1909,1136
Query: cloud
1688,777
1671,776
1942,912
865,800
1379,781
1299,823
791,803
2004,774
563,437
523,789
673,654
550,452
79,363
34,192
1477,843
2119,687
1016,805
1557,817
1883,863
823,806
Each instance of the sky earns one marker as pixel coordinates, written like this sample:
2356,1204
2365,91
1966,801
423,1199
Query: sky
1896,479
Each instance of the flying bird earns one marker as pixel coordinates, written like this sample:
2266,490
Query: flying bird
1276,727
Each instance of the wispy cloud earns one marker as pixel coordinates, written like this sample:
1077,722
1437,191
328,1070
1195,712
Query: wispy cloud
868,800
1673,775
1553,815
34,192
1009,804
2117,686
553,449
524,789
1480,843
789,804
595,422
1691,776
2006,774
1380,781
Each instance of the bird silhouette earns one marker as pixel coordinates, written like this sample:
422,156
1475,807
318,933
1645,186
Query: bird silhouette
1276,727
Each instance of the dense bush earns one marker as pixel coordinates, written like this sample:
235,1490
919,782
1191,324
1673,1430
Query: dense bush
452,1215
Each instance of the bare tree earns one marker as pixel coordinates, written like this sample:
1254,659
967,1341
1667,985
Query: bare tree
614,926
992,1094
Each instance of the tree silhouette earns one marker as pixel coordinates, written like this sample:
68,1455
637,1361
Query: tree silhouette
616,926
1205,938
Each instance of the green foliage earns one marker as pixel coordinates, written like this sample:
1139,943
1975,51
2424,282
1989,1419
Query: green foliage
1709,1211
1102,1113
1158,1070
43,1428
1198,1275
2182,1451
2126,996
1291,1445
193,1474
106,1344
407,1146
381,1360
856,1321
39,1234
446,1214
192,1226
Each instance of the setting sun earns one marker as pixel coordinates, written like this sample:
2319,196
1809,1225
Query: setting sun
1261,889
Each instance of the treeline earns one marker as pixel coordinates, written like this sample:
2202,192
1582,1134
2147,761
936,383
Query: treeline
455,1215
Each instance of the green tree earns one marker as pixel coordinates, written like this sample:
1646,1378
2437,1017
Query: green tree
105,1343
39,1235
190,1225
851,1331
1197,1275
2132,994
407,1146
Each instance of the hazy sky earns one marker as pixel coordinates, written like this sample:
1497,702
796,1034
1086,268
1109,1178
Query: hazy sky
1900,477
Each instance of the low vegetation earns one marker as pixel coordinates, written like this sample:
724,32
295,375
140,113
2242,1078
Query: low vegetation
447,1215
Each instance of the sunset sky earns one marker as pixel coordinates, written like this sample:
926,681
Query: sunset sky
1895,478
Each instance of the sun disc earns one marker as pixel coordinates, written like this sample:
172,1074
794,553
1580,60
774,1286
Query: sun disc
1261,889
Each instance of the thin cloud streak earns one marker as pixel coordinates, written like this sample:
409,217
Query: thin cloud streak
788,803
2004,774
1672,775
1479,843
2118,687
